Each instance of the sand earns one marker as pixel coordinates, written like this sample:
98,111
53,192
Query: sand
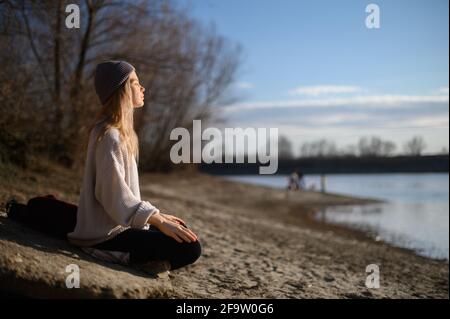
258,243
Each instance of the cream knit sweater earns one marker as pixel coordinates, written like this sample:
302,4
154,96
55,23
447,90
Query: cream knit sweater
110,199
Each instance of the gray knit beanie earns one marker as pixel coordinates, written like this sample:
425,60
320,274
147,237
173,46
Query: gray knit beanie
109,76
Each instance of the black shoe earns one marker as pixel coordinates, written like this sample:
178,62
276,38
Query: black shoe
16,211
9,205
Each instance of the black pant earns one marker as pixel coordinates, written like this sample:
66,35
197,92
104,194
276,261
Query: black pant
56,218
152,244
46,214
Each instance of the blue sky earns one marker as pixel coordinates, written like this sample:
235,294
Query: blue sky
314,70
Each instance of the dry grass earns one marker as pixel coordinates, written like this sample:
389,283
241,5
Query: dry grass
40,178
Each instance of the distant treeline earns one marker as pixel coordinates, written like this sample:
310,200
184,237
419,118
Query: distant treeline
397,164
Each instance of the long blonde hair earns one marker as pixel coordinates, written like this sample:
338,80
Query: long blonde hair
118,112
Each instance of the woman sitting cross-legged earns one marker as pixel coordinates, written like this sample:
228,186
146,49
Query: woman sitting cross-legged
111,215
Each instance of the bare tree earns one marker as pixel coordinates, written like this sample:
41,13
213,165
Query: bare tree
375,147
201,65
185,68
415,146
349,151
319,148
284,148
366,147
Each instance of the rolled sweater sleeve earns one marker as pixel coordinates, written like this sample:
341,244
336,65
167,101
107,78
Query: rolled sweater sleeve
111,190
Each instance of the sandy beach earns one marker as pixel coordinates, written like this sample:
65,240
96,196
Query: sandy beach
258,243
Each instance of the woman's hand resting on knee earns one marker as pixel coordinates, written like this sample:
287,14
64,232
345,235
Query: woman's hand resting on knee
174,219
173,227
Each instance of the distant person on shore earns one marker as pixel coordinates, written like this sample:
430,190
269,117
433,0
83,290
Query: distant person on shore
296,181
301,181
293,181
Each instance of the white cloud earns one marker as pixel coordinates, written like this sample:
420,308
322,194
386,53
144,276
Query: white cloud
325,124
245,85
374,101
443,90
430,121
435,137
336,119
324,89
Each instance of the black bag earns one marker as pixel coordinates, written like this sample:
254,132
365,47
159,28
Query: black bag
46,214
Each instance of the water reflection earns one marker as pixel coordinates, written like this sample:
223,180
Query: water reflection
420,226
415,214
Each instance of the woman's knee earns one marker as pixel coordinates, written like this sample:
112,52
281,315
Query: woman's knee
196,250
192,251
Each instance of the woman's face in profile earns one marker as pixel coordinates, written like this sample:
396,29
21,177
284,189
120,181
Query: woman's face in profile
137,90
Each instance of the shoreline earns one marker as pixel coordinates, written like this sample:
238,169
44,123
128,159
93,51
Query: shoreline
368,235
343,228
256,244
324,240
